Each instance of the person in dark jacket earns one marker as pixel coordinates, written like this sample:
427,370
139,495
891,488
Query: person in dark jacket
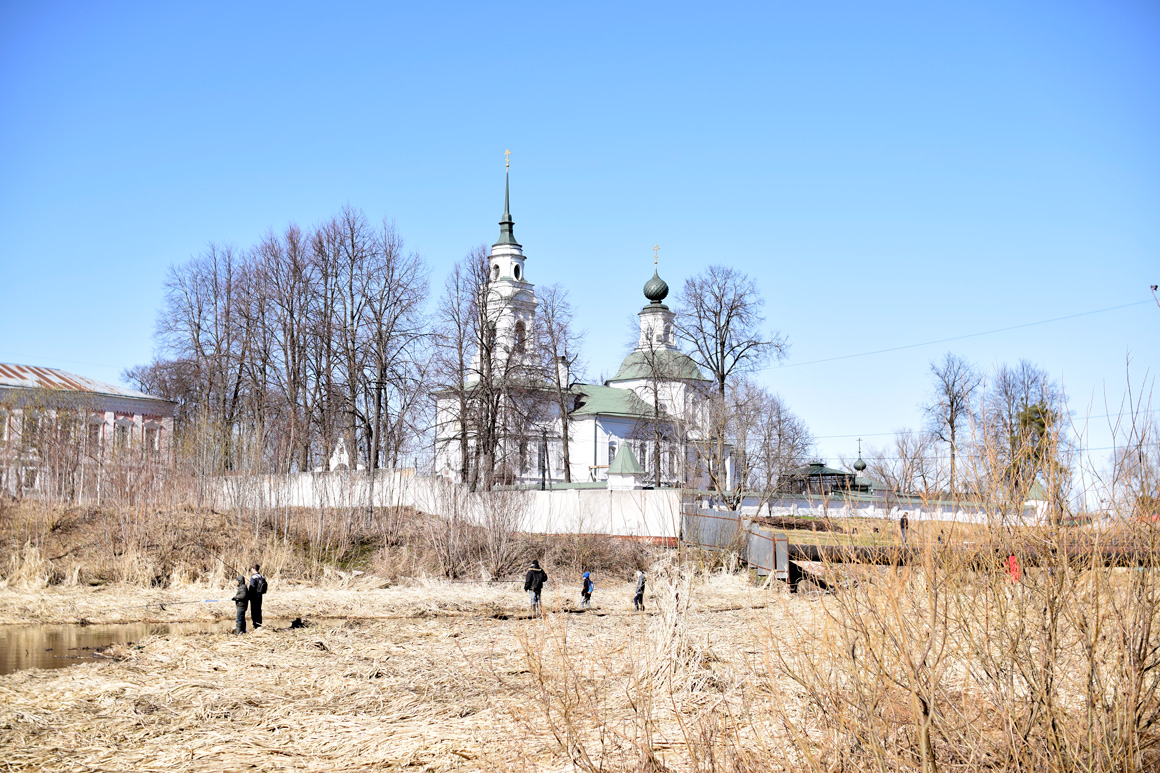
903,525
534,585
586,588
257,589
240,597
638,597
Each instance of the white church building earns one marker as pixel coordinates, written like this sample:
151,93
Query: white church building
644,425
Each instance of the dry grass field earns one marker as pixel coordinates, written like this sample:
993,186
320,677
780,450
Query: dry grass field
950,662
433,676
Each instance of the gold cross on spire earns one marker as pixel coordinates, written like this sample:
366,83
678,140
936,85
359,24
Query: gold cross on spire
507,159
656,249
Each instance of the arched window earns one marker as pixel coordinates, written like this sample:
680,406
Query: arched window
517,271
495,271
521,334
644,455
611,450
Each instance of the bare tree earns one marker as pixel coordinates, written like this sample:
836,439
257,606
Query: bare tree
279,349
558,344
457,338
200,324
955,383
1021,430
910,465
719,317
768,439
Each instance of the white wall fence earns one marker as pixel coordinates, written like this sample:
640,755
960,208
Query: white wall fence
837,506
651,514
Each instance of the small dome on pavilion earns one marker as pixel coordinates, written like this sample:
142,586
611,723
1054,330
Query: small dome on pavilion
656,289
859,465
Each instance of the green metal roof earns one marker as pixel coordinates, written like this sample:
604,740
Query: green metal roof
663,364
816,468
609,401
625,463
1037,493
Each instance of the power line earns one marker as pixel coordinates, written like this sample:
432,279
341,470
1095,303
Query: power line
961,337
1072,414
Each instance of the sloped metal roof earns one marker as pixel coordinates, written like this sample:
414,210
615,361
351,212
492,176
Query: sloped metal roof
665,364
610,401
35,377
625,463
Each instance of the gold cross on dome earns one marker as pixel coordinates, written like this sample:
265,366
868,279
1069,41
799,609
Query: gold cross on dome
507,159
656,249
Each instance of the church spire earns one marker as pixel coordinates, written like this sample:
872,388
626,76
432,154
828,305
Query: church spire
506,236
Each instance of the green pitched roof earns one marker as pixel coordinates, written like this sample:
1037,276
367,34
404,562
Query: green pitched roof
816,468
609,401
625,463
664,364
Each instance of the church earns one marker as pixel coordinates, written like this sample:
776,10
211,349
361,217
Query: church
643,428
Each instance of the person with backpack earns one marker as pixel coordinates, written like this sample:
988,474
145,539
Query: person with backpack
258,586
638,597
240,597
586,588
534,585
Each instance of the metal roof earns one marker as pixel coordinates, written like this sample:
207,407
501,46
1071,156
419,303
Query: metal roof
34,377
665,364
625,463
610,401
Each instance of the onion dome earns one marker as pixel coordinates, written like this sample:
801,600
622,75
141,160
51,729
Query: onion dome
656,289
859,465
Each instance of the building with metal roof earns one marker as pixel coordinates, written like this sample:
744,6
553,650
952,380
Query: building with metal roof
58,430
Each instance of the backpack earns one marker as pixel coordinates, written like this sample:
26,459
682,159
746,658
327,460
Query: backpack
260,585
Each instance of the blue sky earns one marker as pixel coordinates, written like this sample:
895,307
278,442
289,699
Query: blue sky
889,173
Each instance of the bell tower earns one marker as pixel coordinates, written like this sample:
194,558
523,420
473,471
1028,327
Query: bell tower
511,298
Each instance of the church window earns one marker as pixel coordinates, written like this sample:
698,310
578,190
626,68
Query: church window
521,334
523,456
611,450
494,271
517,271
644,456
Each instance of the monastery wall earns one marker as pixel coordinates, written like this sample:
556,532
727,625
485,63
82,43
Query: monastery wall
640,513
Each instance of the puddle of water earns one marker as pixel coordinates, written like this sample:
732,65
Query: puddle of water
59,646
